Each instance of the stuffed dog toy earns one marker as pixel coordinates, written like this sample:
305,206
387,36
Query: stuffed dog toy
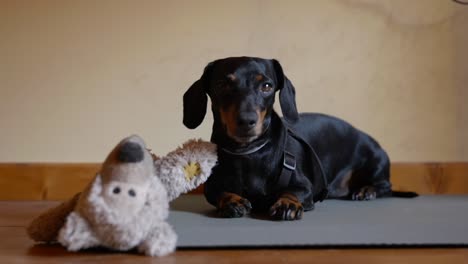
126,205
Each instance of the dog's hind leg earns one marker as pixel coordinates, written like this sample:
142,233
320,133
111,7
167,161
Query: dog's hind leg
372,180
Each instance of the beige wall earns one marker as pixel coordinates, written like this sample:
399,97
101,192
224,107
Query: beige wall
76,76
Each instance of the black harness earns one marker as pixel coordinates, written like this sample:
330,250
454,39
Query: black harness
289,163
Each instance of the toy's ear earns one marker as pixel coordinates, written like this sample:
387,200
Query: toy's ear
287,96
196,100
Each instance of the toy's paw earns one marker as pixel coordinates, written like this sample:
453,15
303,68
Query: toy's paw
161,241
364,194
76,234
187,167
231,205
192,170
287,207
200,158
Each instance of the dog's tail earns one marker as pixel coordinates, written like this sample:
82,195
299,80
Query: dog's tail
401,194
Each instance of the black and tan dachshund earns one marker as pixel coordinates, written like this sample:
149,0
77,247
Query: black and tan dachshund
279,165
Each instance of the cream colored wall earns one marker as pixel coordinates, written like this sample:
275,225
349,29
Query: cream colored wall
461,80
76,76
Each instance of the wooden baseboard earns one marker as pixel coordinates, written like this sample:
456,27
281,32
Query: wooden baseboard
59,181
44,181
431,178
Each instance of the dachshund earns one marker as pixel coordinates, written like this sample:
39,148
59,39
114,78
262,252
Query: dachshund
281,166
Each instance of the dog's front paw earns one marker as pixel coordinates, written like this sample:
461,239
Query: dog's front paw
231,205
365,193
287,207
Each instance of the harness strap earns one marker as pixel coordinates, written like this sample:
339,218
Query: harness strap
289,164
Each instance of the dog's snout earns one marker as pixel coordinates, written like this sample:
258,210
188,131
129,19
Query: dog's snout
247,120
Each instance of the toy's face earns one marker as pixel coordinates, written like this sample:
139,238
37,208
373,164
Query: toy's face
123,198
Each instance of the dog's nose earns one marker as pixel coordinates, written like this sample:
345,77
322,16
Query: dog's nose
247,120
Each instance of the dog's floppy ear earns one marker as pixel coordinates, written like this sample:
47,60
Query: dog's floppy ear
287,95
196,100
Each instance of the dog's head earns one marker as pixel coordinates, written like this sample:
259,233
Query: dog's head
242,92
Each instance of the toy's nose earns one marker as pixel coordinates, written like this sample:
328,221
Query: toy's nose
130,152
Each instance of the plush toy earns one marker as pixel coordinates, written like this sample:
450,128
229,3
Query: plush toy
127,204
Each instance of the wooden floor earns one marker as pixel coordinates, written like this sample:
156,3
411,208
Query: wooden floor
15,247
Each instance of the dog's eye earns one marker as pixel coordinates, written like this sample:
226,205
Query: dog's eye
266,87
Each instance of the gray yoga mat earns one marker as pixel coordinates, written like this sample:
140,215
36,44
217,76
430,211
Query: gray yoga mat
422,221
